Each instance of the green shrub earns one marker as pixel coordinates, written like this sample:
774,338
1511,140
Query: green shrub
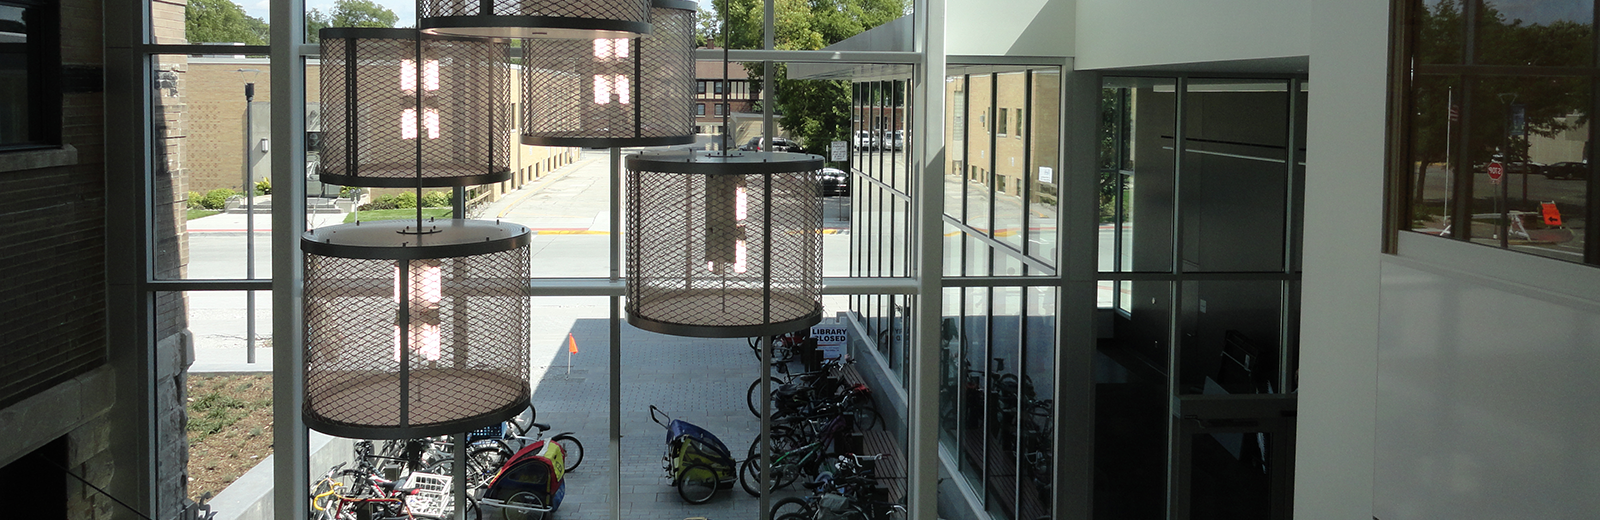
264,186
346,192
436,199
384,202
217,198
407,200
194,200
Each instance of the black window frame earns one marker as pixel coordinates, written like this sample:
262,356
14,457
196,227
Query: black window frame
1405,67
43,51
699,109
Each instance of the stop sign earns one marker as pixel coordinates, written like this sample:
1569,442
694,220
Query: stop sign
1496,171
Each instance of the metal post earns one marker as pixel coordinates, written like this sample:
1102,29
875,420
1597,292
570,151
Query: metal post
458,474
1075,304
769,128
764,509
614,371
288,80
249,227
922,432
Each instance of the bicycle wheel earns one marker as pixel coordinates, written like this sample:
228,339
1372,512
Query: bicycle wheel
784,439
697,483
486,462
791,506
750,476
866,417
795,516
751,398
782,351
571,449
522,499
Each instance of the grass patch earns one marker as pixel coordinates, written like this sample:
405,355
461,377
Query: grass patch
396,214
218,403
229,429
195,213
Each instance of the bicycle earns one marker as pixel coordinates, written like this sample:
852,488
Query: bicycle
784,346
795,390
852,476
341,492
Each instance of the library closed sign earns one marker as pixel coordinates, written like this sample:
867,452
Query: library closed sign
830,339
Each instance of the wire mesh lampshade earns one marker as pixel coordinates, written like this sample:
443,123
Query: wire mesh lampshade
401,108
613,92
574,19
724,245
389,315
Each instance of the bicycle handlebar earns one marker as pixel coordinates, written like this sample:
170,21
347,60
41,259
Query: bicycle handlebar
654,411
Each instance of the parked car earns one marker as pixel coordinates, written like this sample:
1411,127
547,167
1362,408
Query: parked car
897,142
779,144
865,141
835,182
1567,170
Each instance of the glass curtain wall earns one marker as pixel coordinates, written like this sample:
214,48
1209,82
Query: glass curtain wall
563,194
998,335
880,190
1200,192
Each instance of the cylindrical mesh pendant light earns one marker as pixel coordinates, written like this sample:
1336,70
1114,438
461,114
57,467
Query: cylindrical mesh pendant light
575,19
613,92
724,245
398,104
411,334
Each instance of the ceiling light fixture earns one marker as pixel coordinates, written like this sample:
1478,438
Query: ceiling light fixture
419,327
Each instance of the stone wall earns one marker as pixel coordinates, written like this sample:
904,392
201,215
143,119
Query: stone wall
171,177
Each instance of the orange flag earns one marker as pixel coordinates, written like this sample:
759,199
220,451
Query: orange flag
572,344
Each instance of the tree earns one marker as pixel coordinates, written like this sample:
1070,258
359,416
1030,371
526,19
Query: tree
349,13
222,21
706,33
316,20
816,111
361,13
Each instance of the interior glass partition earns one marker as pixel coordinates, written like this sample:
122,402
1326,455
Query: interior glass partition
1201,295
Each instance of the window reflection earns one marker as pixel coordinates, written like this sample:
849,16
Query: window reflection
1498,156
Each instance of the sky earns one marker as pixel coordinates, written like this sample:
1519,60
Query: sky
405,9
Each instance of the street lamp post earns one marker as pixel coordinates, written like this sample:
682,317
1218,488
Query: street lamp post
249,76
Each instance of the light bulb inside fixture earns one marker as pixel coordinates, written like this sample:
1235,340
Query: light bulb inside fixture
602,89
424,294
726,208
408,75
608,48
430,121
408,123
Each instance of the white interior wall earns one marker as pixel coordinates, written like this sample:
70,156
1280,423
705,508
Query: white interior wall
1344,202
1010,28
1133,33
1486,389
